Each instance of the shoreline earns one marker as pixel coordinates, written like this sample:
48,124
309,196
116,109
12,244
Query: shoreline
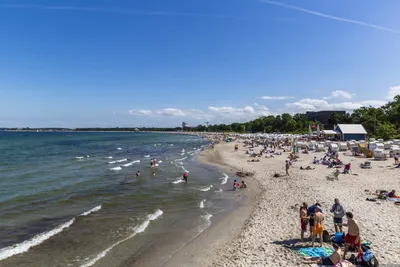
226,225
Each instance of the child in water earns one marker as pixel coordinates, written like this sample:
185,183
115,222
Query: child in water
185,177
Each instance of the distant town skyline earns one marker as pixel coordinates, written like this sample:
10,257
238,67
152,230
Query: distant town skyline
158,63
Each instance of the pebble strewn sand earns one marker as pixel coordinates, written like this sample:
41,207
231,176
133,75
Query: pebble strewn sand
275,221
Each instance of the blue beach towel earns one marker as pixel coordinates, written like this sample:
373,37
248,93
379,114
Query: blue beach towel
316,252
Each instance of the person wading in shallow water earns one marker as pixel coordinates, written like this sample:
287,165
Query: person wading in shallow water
185,177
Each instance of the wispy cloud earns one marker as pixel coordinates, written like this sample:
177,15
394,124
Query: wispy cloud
138,12
140,112
315,13
276,97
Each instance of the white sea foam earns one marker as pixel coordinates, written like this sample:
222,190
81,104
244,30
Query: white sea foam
160,161
79,157
119,148
182,153
109,157
181,159
206,222
40,238
147,156
116,168
224,178
91,211
202,204
205,189
220,190
34,241
156,164
117,161
131,163
139,229
178,181
87,156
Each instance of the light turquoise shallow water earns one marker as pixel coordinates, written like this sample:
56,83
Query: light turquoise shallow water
74,200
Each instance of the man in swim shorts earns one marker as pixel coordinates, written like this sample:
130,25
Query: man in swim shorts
311,213
353,234
318,229
338,214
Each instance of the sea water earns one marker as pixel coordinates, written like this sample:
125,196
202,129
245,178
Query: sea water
74,199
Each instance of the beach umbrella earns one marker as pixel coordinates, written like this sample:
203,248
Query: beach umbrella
309,131
318,132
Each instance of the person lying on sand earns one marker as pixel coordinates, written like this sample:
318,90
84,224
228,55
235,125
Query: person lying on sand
331,260
253,160
306,168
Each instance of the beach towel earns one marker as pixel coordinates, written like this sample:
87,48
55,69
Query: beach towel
316,252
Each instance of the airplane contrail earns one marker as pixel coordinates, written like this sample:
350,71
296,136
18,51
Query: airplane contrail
315,13
138,12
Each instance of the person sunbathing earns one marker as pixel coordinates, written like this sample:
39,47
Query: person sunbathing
306,168
347,168
253,160
331,260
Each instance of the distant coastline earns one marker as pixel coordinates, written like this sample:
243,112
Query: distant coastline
169,130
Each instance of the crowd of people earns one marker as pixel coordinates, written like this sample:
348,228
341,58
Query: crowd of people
313,216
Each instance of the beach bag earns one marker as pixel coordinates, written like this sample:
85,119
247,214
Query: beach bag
339,238
368,258
325,236
372,262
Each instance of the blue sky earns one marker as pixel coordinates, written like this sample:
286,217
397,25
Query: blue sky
159,62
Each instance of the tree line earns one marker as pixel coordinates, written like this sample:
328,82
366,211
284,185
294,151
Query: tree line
381,122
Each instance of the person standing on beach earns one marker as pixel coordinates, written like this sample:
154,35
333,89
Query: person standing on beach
318,227
234,186
303,219
287,167
311,213
338,214
396,159
353,234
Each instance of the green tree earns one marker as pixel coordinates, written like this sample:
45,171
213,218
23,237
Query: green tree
386,130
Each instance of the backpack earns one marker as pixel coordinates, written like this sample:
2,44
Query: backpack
368,258
325,236
373,262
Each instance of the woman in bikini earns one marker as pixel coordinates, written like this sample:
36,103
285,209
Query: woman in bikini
331,260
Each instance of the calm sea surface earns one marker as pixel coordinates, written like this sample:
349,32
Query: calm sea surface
72,199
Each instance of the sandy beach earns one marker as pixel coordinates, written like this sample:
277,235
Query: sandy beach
272,229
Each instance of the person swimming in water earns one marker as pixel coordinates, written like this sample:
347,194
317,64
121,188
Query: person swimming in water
138,174
185,177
